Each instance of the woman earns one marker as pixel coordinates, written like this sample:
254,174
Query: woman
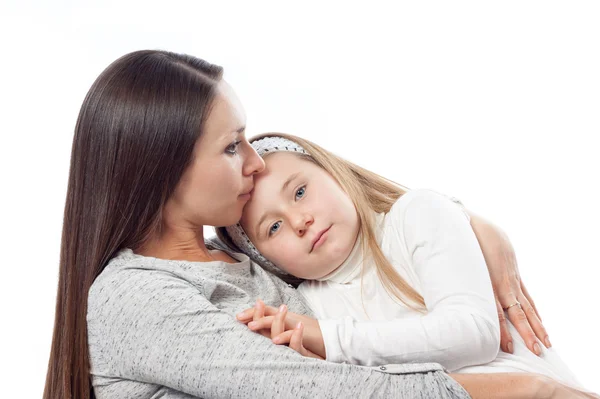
145,308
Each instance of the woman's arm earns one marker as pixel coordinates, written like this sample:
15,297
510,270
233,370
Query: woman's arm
518,385
152,327
508,287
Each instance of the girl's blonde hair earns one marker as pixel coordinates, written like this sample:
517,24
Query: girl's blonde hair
369,192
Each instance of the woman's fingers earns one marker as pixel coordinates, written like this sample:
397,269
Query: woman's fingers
278,325
526,293
519,319
535,322
505,338
539,328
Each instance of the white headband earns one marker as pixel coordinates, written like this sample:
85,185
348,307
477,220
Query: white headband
263,147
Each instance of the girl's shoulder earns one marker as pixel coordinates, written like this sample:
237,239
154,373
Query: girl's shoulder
421,205
419,198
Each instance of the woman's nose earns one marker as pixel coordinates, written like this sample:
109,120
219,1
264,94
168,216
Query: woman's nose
302,222
254,163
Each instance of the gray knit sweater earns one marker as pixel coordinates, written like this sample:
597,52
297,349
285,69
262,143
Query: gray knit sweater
167,329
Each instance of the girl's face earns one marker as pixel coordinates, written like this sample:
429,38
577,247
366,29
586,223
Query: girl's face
299,217
214,188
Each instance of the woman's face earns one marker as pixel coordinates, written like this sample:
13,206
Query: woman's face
215,187
294,203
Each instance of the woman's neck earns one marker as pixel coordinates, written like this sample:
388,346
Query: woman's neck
181,243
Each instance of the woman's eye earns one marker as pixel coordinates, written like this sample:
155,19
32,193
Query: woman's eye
232,148
274,228
300,192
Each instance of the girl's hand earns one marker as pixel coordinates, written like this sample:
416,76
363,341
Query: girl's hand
509,288
293,338
285,327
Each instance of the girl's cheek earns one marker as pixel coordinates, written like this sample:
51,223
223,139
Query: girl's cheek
286,245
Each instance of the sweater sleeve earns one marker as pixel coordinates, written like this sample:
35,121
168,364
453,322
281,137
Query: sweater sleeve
461,327
153,327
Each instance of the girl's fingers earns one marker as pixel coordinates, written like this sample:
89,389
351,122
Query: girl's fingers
283,338
264,323
296,339
246,315
295,334
259,310
278,325
271,311
505,338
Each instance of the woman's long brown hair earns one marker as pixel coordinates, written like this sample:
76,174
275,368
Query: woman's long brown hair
133,140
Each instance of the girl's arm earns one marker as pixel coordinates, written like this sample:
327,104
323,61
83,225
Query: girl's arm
479,386
461,327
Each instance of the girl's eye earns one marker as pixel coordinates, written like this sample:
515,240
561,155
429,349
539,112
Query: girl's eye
274,228
300,192
232,148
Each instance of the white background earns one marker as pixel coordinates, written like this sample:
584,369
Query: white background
496,103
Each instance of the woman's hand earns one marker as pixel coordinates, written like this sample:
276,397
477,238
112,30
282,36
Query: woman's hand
555,390
299,332
509,288
517,385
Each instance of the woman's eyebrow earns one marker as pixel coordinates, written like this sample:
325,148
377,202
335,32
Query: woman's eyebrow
232,134
283,188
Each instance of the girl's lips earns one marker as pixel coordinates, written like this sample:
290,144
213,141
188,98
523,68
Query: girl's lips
320,239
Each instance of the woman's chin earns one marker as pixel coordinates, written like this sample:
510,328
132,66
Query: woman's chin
232,217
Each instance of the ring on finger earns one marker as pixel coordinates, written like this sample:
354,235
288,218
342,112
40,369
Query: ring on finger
517,303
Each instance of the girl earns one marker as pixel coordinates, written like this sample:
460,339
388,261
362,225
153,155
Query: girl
393,276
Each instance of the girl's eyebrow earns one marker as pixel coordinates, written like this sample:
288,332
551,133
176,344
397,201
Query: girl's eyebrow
283,188
288,181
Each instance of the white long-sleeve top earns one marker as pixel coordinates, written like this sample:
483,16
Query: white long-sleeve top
429,241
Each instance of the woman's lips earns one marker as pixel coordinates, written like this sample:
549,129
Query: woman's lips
247,196
320,239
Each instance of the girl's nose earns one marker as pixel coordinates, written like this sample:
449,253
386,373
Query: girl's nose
302,222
